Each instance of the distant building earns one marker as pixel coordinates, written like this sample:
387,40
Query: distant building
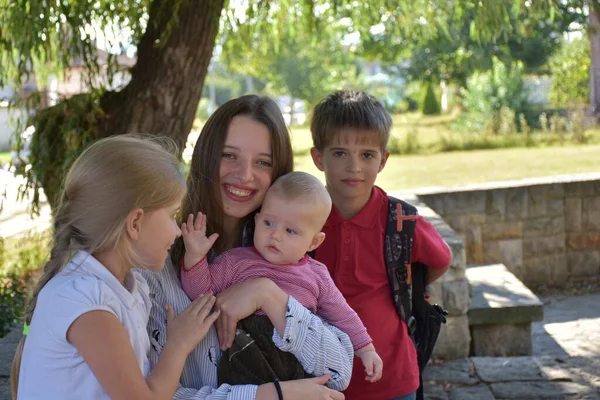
73,81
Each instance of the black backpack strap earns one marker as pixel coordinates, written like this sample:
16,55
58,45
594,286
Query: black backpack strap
400,230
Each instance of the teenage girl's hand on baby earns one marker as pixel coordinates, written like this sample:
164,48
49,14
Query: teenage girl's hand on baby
196,243
301,389
188,328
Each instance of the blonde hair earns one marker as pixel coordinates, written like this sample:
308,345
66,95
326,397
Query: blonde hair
305,188
109,179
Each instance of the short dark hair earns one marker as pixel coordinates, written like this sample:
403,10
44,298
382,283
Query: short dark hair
349,109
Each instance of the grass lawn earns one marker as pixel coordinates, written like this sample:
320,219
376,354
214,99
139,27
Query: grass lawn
427,129
461,168
4,157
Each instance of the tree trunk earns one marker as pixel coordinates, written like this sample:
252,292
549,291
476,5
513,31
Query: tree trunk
594,36
166,82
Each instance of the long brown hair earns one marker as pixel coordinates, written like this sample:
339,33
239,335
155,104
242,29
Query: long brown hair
109,179
203,194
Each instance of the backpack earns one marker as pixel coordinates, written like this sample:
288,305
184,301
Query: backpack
408,282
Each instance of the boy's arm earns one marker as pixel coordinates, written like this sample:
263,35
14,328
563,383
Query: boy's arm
429,248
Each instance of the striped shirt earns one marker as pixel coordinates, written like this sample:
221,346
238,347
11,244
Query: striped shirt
320,348
308,281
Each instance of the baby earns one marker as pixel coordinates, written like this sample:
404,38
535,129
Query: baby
288,226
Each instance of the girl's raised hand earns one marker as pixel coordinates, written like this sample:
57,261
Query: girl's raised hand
188,328
196,243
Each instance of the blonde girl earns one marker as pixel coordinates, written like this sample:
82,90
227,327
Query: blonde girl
88,314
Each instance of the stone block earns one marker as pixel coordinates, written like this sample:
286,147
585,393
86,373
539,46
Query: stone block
432,391
541,390
495,206
583,241
474,244
578,189
508,252
464,203
477,392
436,293
538,270
434,201
555,208
457,248
459,372
573,222
559,272
536,204
501,340
454,340
453,274
584,263
475,219
456,222
516,204
556,191
456,297
498,297
542,246
591,214
544,226
503,230
503,369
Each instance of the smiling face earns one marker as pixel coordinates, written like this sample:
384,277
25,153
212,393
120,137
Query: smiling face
287,229
246,168
351,163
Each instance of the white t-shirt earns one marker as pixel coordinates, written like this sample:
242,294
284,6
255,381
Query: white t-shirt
51,367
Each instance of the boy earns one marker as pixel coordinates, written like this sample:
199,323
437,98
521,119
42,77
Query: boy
350,131
287,227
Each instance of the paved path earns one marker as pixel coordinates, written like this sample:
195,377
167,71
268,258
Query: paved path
15,218
565,362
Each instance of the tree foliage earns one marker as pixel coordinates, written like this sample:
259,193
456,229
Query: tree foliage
455,52
175,41
570,73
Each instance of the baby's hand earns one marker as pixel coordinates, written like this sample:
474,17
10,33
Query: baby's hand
373,365
195,240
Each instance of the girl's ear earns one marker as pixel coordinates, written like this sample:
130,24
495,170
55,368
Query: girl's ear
133,225
316,242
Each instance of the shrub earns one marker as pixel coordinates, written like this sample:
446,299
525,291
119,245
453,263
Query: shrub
430,104
489,94
20,258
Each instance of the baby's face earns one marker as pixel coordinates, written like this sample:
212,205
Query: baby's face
285,230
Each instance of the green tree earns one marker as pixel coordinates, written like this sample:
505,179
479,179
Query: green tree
454,53
570,73
304,65
175,41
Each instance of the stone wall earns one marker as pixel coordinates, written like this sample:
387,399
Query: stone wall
544,230
451,291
